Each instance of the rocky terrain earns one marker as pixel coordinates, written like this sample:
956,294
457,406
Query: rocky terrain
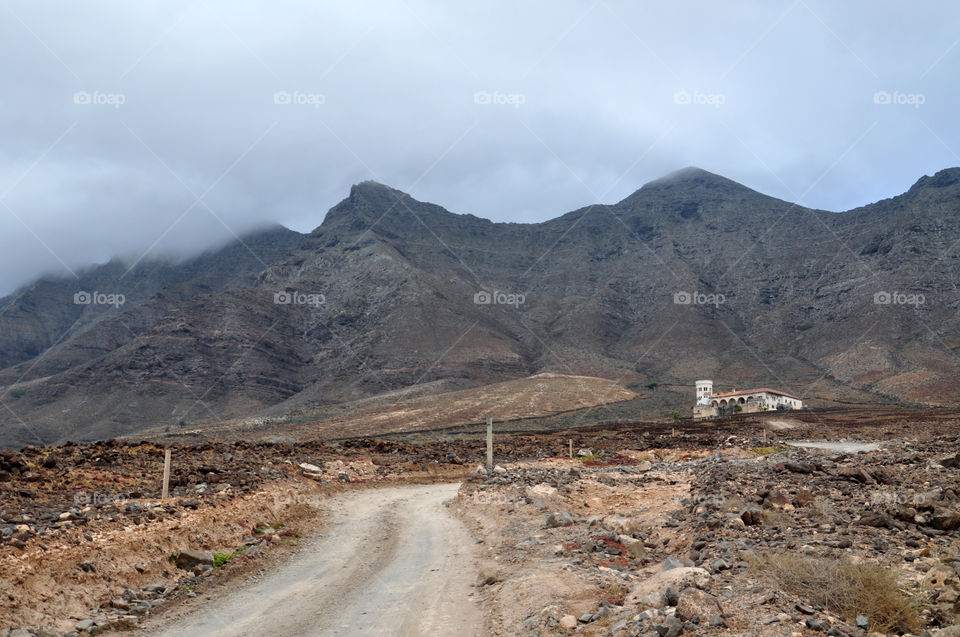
692,276
723,528
744,536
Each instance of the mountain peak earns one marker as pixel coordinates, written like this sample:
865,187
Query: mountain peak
691,175
370,186
686,181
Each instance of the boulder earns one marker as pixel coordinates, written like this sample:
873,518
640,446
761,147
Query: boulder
187,559
752,516
311,470
939,576
634,546
621,524
694,603
953,460
945,520
872,518
653,590
539,491
558,518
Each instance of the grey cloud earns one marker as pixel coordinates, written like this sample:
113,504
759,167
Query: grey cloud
587,101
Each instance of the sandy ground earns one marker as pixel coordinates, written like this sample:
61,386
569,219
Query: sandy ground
392,561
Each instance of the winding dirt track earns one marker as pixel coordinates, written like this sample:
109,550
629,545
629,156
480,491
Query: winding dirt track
392,561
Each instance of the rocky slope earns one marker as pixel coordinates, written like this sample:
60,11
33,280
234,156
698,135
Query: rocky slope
383,296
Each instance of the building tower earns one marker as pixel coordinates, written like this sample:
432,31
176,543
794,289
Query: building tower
704,391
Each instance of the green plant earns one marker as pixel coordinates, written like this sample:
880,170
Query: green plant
675,415
652,385
803,327
219,559
17,393
591,458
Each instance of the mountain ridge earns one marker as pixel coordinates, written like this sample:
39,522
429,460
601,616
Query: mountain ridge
794,291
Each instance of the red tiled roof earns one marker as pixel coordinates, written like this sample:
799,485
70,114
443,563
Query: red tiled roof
754,391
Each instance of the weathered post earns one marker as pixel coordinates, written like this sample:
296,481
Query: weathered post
166,474
490,443
571,448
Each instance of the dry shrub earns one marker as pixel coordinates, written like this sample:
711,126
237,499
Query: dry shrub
778,519
843,587
614,593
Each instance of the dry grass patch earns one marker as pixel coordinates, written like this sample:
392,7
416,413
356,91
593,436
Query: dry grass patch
765,451
843,587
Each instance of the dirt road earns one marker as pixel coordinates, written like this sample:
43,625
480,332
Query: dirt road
392,561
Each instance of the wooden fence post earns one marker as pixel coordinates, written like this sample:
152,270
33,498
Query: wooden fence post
166,474
490,443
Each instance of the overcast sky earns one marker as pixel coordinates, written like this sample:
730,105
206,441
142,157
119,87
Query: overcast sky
134,128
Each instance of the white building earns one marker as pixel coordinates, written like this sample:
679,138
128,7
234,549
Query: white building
710,404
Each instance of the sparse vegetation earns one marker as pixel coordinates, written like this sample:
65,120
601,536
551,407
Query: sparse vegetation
652,385
803,327
593,457
19,392
765,451
843,587
219,559
777,518
675,415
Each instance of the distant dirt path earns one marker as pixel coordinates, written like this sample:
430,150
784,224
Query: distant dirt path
393,561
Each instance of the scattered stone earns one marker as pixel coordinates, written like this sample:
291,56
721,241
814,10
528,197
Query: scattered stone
568,622
559,518
816,624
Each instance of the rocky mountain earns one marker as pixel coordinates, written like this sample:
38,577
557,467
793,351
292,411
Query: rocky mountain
692,276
